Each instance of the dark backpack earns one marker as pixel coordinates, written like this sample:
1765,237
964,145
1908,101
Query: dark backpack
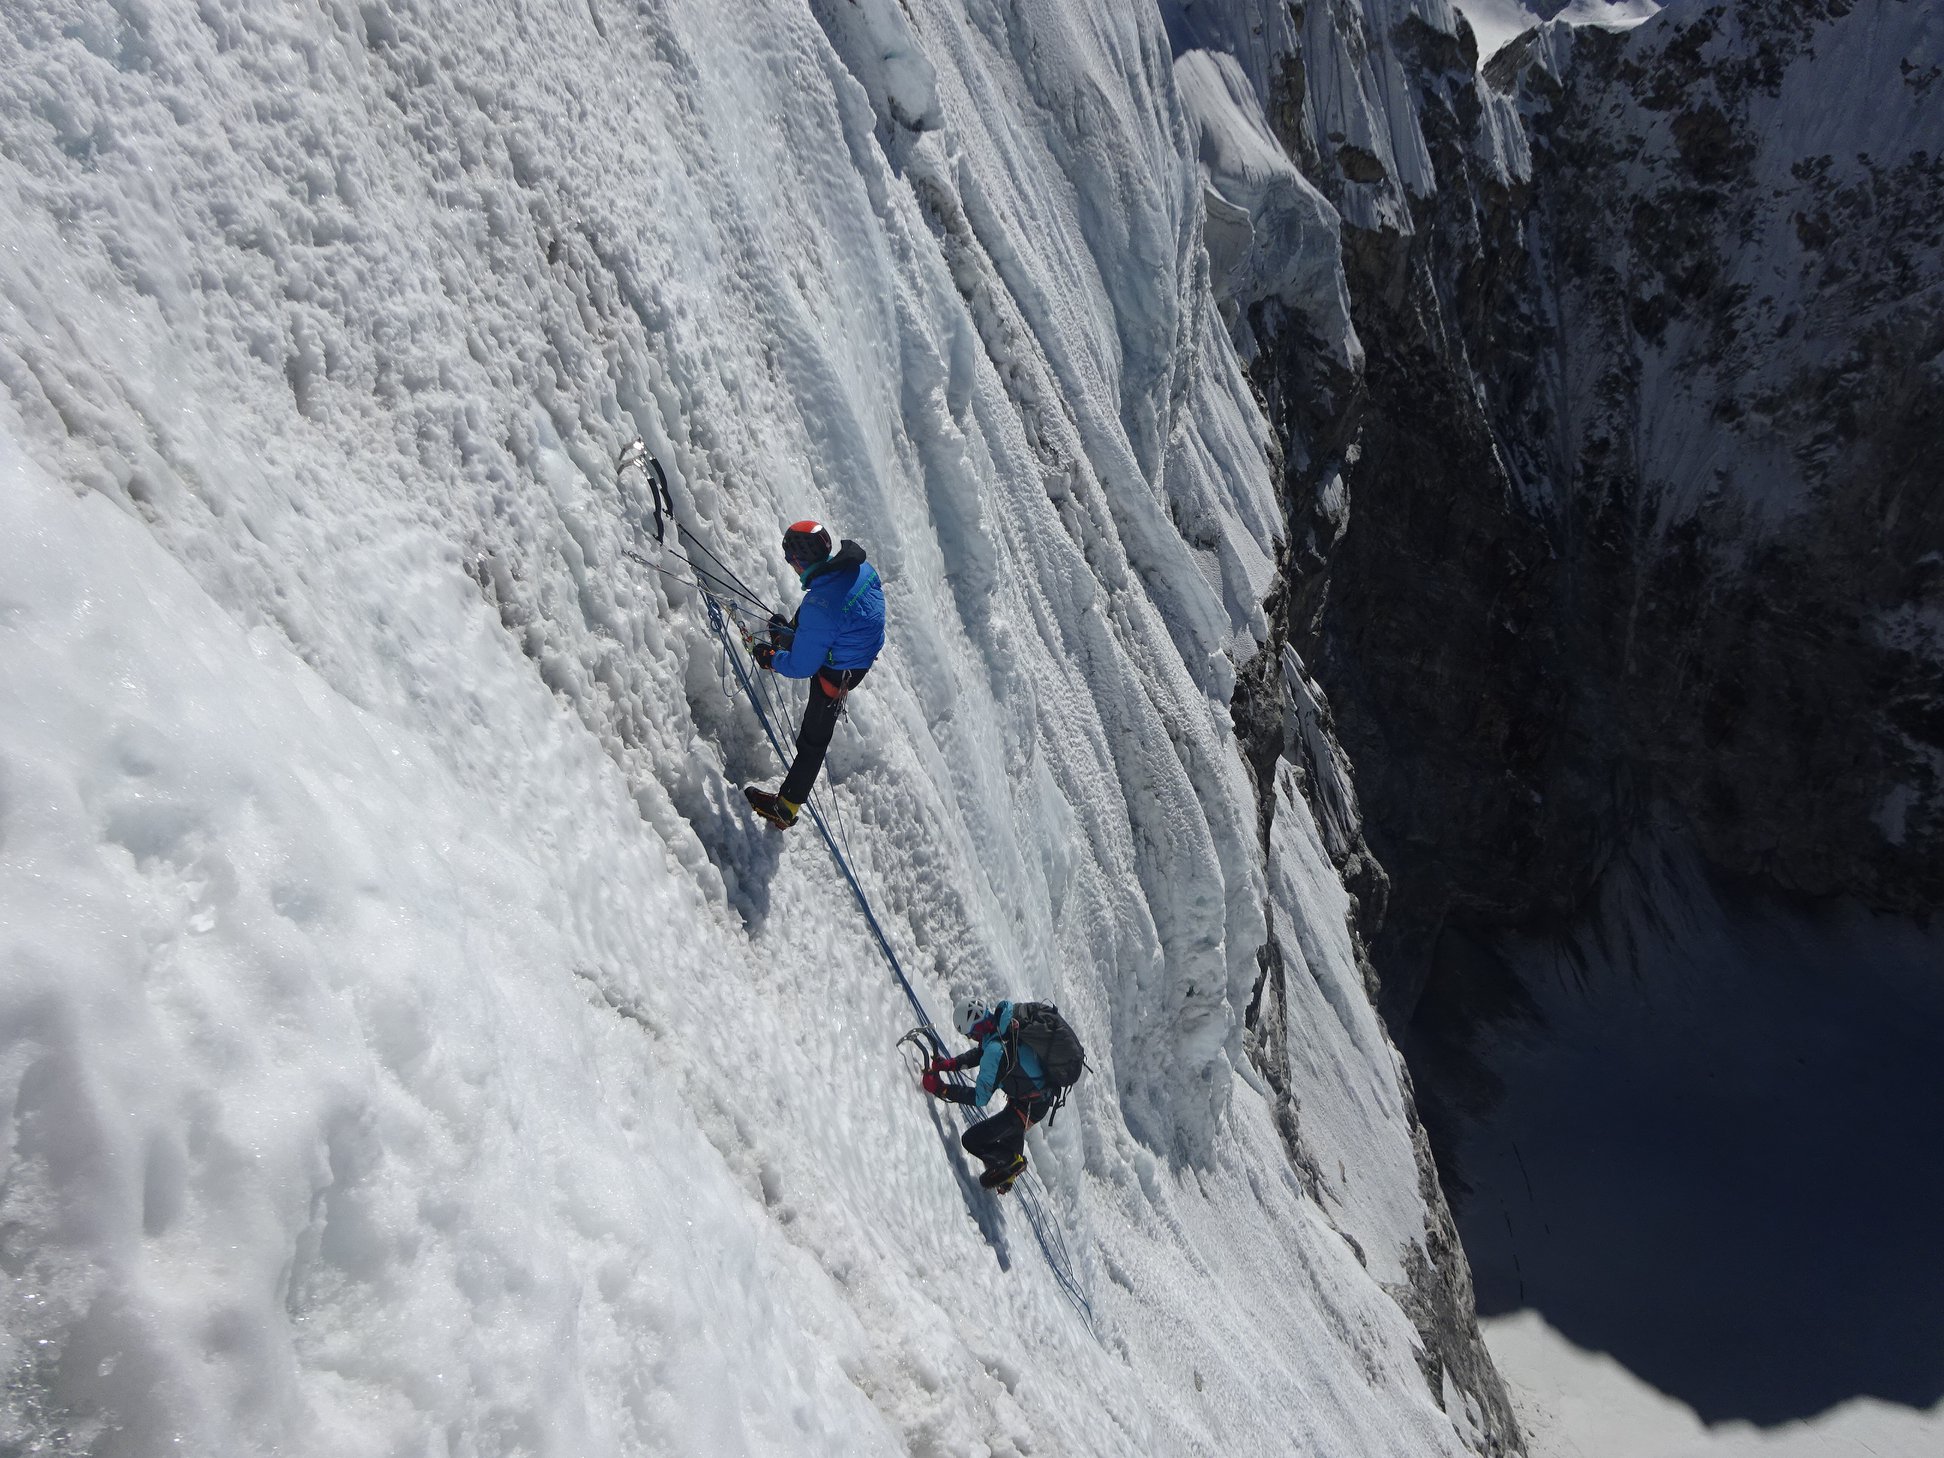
1039,1026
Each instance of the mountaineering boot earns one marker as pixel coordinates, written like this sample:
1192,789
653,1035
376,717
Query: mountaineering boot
779,812
999,1177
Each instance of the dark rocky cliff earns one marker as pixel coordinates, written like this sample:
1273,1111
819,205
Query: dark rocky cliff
1645,517
1626,513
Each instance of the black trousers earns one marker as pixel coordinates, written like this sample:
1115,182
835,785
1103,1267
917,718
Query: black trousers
1001,1139
819,723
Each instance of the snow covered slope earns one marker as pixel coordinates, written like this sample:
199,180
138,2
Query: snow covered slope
406,1043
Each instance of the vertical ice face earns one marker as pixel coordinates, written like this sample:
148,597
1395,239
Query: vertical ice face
406,1041
1341,85
1271,236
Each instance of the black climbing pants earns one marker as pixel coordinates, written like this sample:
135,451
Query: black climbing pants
819,723
1001,1139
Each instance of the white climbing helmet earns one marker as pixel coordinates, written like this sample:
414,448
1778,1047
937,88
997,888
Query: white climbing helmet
968,1013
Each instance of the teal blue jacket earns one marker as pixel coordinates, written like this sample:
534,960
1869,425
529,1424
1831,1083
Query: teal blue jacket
1023,1080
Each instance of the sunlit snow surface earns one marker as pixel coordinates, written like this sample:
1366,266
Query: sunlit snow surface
407,1046
1495,22
1573,1403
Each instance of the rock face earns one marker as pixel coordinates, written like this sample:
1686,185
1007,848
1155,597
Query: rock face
1742,454
1621,509
1644,508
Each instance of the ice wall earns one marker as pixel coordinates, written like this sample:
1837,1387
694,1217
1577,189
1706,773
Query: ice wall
1338,80
406,1042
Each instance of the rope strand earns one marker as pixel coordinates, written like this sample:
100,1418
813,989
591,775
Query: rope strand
1051,1239
691,540
702,587
765,699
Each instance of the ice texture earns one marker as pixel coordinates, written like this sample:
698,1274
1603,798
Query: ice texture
407,1043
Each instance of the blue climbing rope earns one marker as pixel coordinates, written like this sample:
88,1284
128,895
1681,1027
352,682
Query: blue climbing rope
727,596
1052,1240
764,716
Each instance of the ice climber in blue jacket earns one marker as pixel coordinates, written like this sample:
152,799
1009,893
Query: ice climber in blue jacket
833,640
1007,1065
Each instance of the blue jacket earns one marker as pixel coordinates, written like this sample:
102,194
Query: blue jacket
840,623
1024,1080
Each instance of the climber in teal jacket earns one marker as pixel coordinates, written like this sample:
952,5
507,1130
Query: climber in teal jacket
1007,1065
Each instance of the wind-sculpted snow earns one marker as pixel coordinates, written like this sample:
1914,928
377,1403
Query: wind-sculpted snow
1340,78
1270,234
1496,22
407,1044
